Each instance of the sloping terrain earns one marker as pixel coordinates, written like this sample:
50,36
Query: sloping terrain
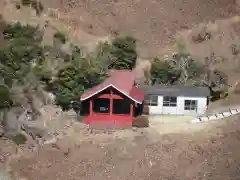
153,23
211,153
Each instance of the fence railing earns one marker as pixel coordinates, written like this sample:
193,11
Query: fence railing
216,116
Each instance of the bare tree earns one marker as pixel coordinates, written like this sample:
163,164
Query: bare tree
181,60
215,80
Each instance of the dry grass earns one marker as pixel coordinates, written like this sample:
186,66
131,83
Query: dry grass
211,154
153,23
223,41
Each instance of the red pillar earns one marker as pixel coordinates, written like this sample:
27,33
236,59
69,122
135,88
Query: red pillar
111,102
90,108
131,110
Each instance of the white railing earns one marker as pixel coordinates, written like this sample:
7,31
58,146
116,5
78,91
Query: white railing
217,116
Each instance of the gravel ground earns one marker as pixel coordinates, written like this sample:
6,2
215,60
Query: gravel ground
209,153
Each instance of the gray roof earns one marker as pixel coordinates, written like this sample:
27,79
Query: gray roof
176,91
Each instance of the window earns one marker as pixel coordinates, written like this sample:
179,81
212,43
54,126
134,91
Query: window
151,100
190,105
121,106
169,101
101,105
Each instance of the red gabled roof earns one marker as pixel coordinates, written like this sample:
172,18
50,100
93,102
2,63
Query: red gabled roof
137,94
121,80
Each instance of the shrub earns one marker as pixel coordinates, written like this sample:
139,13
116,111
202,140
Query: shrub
19,139
141,122
60,36
202,36
23,32
18,6
163,72
26,2
124,52
5,97
37,5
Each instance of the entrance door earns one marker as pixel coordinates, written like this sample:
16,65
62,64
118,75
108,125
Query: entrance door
169,105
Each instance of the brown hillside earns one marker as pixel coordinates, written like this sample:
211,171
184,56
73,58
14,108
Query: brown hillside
154,23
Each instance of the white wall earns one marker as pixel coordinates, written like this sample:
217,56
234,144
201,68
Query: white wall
179,109
201,105
157,109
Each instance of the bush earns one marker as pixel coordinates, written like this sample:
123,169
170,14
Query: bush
141,122
18,6
5,97
163,72
124,52
24,32
37,5
19,139
61,37
26,2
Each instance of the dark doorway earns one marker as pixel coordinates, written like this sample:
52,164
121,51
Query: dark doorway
101,105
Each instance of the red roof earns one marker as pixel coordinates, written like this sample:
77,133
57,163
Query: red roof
121,80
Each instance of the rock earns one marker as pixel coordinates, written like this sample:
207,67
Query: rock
35,132
66,153
237,88
55,146
62,145
1,132
11,124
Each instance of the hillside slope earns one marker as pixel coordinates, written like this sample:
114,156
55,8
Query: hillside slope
154,23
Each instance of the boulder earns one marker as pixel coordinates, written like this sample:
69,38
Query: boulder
11,124
237,88
2,132
63,145
33,131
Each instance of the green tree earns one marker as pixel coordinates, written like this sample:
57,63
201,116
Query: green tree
103,55
82,73
124,53
60,37
163,72
22,49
